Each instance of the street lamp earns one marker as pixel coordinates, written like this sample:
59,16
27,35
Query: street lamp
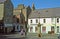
39,27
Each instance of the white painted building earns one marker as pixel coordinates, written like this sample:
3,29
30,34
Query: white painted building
48,18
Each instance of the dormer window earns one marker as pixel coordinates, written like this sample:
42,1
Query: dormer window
46,10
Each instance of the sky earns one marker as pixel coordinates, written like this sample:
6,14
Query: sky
39,4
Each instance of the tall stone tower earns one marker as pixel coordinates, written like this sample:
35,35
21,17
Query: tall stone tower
6,14
33,7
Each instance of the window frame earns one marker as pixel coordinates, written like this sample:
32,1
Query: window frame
30,21
57,29
52,28
57,20
36,20
31,29
44,20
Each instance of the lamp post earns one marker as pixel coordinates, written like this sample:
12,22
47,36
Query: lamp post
39,27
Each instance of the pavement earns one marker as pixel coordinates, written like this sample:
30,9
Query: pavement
44,36
18,35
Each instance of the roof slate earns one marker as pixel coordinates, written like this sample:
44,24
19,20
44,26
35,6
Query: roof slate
51,12
1,1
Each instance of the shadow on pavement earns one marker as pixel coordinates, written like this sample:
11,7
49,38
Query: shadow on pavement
3,37
9,33
18,38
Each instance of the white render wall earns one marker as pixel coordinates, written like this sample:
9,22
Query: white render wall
48,28
33,29
49,22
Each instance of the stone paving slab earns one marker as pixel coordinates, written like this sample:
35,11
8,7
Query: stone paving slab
44,36
16,35
31,36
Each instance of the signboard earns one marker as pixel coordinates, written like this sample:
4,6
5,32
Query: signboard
8,25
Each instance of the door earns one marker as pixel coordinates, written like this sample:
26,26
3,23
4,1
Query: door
52,29
44,29
57,29
31,29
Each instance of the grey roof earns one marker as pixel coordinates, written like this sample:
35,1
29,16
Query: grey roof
1,1
50,12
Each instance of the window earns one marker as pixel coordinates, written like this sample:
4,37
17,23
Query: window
52,28
20,11
57,29
44,20
7,7
57,26
57,20
46,11
31,21
31,29
36,21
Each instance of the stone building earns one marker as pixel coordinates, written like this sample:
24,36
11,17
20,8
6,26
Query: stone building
49,20
25,11
33,7
19,20
6,16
